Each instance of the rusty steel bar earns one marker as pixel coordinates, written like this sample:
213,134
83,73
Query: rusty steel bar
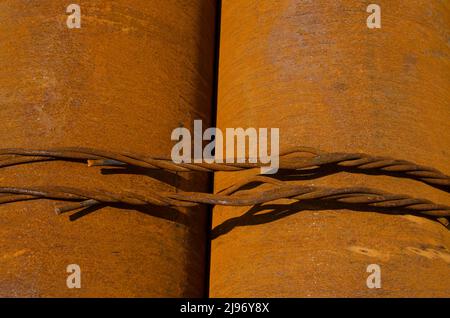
396,203
346,161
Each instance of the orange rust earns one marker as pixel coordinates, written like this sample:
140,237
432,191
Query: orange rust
133,72
314,69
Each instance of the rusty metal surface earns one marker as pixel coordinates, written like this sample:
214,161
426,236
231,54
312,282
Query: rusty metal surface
133,72
314,69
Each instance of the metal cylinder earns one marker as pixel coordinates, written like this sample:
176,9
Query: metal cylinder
133,72
316,71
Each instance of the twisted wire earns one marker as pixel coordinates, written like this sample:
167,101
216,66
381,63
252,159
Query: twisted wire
232,196
289,159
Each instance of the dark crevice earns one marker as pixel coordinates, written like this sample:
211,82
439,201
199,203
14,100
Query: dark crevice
213,124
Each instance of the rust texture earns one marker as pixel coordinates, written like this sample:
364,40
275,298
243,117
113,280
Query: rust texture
314,69
133,72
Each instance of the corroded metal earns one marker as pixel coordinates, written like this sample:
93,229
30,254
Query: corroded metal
393,203
134,71
289,159
315,70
